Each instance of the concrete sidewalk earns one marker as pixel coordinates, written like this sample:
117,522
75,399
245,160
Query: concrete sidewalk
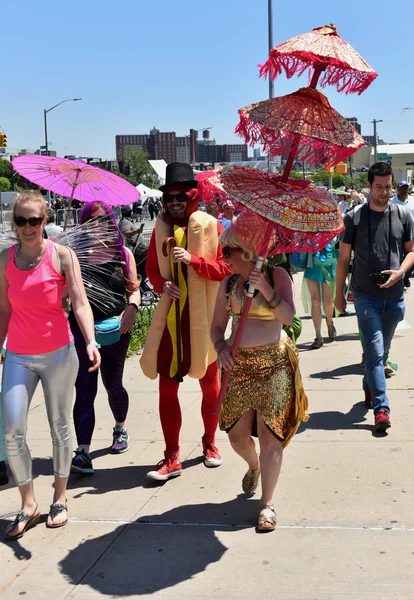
344,500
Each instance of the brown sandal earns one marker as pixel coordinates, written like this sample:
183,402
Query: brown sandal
317,343
31,521
251,480
331,331
267,518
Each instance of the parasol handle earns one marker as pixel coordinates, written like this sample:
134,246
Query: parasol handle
237,338
167,245
71,200
291,157
316,74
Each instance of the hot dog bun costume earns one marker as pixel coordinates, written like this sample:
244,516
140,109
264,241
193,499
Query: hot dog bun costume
198,233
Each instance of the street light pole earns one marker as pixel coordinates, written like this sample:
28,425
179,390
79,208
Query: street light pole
375,121
46,110
270,40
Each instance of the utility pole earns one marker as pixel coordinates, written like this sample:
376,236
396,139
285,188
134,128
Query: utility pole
271,82
375,121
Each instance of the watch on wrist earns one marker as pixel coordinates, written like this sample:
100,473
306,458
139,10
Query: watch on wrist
402,273
93,342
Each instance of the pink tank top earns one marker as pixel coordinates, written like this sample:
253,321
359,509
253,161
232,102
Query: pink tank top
38,323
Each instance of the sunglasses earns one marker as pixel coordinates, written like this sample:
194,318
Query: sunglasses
168,198
227,251
33,221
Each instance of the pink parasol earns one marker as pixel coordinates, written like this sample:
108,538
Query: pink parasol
278,217
321,50
75,180
303,122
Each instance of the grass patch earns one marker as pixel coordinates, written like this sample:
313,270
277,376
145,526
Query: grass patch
140,329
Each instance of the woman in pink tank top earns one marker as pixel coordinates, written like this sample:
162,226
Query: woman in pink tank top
33,276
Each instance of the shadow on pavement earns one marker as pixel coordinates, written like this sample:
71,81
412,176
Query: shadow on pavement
158,551
354,369
15,546
333,420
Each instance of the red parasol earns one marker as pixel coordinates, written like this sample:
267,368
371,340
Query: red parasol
210,187
323,51
304,123
277,217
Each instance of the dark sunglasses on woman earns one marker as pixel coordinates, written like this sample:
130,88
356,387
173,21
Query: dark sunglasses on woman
227,251
168,198
33,221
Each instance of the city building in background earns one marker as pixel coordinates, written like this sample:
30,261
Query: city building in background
169,147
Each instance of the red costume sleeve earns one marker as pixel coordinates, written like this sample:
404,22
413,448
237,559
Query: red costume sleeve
215,270
152,269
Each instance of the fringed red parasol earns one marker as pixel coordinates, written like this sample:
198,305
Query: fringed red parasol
277,217
278,123
321,50
210,187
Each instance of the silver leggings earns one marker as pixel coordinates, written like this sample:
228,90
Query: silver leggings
21,373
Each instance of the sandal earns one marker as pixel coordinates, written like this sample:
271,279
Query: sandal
331,331
251,480
31,521
318,343
267,518
56,509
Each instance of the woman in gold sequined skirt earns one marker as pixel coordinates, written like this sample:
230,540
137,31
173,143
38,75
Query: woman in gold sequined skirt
265,396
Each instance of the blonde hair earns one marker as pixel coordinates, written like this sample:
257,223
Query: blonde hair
229,238
30,196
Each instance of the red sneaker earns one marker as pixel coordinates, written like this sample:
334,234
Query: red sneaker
368,398
382,420
170,466
211,454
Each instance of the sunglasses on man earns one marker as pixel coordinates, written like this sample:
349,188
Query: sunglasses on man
169,198
33,221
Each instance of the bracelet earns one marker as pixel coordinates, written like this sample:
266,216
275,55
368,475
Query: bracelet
93,342
275,302
402,273
220,345
134,305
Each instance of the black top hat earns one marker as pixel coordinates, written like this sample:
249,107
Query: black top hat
179,173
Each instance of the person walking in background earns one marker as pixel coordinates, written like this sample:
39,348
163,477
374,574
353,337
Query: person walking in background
118,273
379,233
151,208
403,198
265,396
319,281
51,228
128,229
200,267
33,276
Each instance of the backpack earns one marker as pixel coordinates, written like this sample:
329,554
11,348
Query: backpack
295,328
356,216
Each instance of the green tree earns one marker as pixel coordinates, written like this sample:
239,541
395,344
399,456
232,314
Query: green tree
5,185
6,170
140,169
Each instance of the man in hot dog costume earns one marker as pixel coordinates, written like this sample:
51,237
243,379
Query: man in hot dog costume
178,341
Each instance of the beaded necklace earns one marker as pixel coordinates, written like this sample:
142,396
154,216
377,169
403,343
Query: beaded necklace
240,300
30,265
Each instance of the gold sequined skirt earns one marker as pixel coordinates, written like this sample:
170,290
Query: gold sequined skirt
267,379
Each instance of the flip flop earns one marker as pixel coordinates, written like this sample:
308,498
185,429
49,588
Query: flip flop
31,521
56,509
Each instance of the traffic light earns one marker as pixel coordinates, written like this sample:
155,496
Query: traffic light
4,140
1,139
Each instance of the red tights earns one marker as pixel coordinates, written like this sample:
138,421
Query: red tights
170,411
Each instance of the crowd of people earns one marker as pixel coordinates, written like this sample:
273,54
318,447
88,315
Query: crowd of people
201,269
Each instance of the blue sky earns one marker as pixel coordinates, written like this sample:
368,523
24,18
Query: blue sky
176,64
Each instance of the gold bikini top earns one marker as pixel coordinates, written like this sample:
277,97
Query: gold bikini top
259,308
